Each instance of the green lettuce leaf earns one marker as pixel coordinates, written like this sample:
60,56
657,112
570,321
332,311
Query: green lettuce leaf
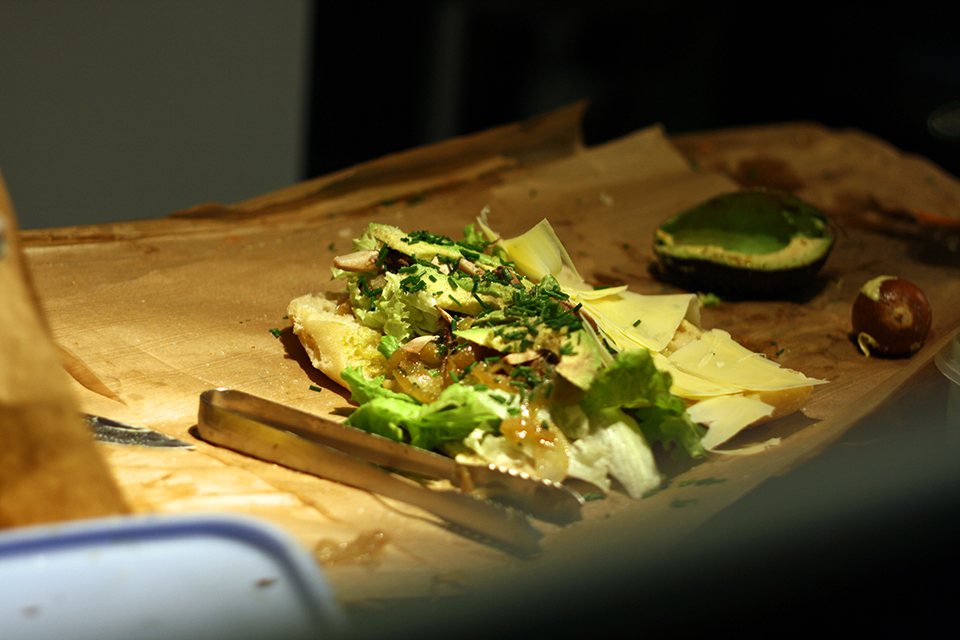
632,383
388,345
456,412
363,391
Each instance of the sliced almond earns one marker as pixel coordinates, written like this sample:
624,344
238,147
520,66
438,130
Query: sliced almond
521,357
357,261
469,268
443,267
418,343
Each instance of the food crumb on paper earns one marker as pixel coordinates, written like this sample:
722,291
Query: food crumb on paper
363,549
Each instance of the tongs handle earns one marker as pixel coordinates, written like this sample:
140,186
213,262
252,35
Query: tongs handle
245,434
544,499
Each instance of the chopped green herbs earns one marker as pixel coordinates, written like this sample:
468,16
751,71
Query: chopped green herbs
652,492
365,288
700,481
382,255
430,238
708,299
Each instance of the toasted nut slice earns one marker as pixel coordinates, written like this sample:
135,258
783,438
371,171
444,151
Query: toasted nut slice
521,357
357,261
469,268
444,267
418,343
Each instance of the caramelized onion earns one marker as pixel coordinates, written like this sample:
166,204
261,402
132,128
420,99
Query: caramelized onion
543,442
418,380
484,374
413,377
458,361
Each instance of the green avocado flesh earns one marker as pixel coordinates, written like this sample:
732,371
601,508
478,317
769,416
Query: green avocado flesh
746,243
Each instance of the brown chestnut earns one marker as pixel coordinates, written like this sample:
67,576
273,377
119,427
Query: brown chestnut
891,317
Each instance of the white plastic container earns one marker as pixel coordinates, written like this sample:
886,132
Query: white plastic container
948,361
162,577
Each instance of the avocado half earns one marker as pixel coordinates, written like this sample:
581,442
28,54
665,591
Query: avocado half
751,243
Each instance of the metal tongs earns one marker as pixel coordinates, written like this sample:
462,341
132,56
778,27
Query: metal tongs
486,500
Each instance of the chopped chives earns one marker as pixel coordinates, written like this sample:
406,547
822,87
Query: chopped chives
382,255
483,304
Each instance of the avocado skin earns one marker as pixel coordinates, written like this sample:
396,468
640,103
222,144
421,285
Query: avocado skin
725,278
737,282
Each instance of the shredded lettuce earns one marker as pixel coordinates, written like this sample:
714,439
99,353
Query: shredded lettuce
620,449
473,237
396,310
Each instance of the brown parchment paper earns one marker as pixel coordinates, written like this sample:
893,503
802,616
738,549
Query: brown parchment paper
50,468
153,313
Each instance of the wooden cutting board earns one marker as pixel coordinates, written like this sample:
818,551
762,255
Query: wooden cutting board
154,312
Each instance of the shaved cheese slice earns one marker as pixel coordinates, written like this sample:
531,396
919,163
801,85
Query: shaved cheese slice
632,320
726,416
716,356
539,252
592,294
688,386
628,320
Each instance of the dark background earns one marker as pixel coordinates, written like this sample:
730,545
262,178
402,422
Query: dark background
390,76
113,110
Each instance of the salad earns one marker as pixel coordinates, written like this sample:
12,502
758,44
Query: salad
496,350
